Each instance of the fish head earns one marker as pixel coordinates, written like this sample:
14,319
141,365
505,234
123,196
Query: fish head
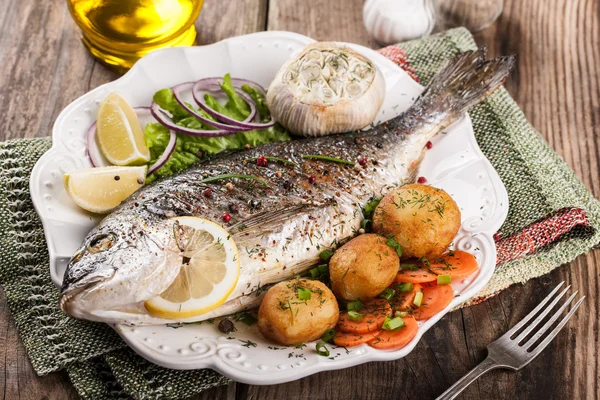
125,260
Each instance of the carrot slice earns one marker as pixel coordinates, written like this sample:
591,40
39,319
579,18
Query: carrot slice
418,276
435,299
373,315
396,339
403,301
456,263
353,339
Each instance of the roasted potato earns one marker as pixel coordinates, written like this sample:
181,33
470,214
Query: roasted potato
297,311
363,267
422,219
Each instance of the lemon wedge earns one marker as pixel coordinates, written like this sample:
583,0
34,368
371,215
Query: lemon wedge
210,268
119,133
99,190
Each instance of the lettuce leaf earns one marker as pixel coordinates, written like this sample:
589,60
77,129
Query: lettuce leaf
191,149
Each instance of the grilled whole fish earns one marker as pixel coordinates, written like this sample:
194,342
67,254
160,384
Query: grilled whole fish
279,228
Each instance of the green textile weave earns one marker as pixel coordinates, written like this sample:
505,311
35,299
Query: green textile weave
100,367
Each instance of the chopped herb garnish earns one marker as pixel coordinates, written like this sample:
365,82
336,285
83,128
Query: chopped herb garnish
320,272
276,159
328,335
245,317
326,158
232,176
355,305
444,279
304,294
387,294
370,207
247,343
418,299
326,255
366,224
401,314
322,350
425,262
394,245
409,266
404,287
354,316
392,324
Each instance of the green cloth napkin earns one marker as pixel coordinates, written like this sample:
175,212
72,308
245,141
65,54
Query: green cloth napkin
538,183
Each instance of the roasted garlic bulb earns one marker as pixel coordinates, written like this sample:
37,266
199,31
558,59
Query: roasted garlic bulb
328,88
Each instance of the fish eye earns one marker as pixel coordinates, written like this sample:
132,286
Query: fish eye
101,243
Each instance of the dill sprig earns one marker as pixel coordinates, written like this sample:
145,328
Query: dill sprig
231,176
326,158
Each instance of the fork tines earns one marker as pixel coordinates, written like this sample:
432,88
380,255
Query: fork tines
532,345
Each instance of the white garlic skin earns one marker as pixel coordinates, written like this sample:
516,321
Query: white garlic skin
328,88
393,21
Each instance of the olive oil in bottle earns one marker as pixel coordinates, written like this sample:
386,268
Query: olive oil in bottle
119,32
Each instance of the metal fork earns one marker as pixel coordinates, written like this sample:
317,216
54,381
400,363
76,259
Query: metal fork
511,351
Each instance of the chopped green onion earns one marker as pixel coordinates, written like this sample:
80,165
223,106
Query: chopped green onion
366,224
425,262
354,316
409,266
245,317
401,314
304,294
370,207
444,279
326,255
326,158
392,324
277,159
404,287
328,335
394,245
355,305
231,176
322,350
418,299
387,294
319,272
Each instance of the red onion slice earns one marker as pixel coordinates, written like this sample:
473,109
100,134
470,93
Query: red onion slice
165,155
92,150
177,91
213,85
165,120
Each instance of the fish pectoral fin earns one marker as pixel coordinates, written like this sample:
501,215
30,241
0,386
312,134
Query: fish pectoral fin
268,221
413,170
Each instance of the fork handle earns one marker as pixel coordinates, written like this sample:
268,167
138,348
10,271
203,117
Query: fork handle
462,383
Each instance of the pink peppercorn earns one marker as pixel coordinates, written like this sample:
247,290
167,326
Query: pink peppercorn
422,179
207,192
429,145
312,179
362,161
262,161
226,217
496,236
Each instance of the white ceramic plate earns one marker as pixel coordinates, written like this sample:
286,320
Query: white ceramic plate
455,164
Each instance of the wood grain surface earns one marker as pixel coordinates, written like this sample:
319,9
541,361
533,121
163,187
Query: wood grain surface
43,67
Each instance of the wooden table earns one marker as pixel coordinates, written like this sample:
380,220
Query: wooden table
43,67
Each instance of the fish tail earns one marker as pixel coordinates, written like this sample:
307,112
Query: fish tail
462,82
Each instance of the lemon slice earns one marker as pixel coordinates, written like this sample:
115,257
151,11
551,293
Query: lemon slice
99,190
210,267
120,134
